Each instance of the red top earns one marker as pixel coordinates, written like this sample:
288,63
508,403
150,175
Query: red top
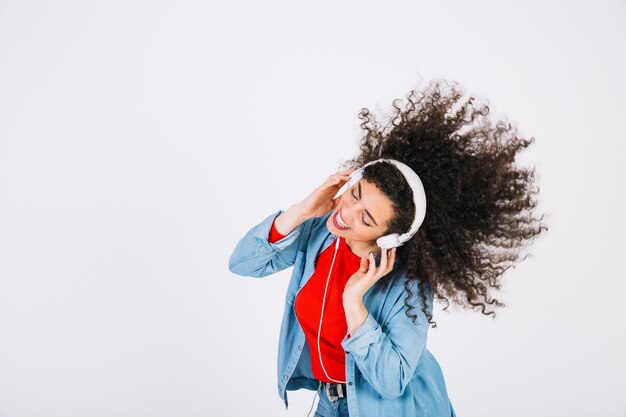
327,358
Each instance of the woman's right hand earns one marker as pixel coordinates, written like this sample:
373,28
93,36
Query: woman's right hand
321,200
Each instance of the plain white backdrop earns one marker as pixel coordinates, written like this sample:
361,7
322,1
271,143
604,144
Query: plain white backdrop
139,141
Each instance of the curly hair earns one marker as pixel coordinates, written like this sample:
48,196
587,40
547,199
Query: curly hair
479,203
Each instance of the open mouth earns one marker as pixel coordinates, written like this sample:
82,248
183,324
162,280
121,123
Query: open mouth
338,221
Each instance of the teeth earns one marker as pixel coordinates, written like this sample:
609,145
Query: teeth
341,222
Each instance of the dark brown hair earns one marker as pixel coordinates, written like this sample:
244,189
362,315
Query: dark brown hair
479,203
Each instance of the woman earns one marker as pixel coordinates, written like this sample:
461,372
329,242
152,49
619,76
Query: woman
436,208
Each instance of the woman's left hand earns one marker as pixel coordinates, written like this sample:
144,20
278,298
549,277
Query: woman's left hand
368,275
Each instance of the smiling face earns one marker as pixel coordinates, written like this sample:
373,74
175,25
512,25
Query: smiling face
366,212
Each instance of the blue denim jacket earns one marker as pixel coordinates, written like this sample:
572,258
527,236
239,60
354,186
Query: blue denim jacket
389,371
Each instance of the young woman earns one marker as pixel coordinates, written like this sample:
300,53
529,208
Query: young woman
436,208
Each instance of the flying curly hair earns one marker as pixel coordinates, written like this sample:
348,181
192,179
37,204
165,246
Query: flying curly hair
479,212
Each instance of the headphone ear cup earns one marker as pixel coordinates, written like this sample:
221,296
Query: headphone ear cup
389,241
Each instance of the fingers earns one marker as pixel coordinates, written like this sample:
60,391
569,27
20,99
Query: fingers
364,265
383,263
392,259
342,174
372,268
347,171
387,259
333,179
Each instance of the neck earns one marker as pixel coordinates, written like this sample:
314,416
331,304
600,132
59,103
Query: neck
362,249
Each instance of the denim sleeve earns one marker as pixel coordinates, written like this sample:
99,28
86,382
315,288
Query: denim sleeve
387,354
255,256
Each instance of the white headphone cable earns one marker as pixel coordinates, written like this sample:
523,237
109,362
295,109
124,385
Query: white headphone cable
319,351
317,393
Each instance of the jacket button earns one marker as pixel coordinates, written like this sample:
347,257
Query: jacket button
285,377
349,382
299,347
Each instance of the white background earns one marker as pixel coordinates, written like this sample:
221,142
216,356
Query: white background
139,141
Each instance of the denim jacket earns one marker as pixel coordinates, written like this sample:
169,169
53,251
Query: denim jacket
389,371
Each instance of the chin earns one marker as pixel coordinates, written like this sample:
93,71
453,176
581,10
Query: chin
331,227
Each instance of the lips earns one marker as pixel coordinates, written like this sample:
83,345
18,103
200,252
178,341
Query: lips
337,225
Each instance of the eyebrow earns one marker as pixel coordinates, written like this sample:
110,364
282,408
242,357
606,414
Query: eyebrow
368,213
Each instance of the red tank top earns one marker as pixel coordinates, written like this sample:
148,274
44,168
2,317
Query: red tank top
327,356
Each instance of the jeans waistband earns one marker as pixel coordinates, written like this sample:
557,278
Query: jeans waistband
334,391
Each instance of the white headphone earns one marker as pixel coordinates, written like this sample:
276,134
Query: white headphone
419,199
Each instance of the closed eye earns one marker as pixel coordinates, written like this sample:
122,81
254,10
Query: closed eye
362,216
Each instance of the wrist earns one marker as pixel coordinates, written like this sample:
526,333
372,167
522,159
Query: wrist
352,301
299,212
289,219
